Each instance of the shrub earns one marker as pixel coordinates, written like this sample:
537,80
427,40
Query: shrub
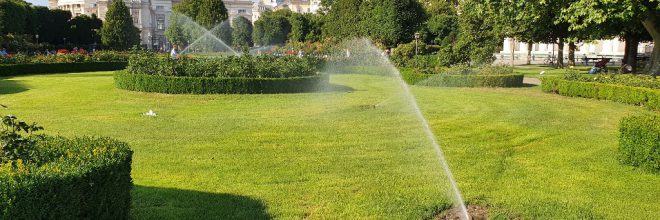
65,57
464,76
41,68
620,93
229,66
646,81
81,178
209,85
639,142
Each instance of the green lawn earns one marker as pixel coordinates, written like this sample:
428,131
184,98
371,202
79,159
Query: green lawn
354,152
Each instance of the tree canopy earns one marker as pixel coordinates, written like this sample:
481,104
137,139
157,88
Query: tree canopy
118,32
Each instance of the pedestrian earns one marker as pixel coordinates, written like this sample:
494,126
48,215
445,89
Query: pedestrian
585,59
173,53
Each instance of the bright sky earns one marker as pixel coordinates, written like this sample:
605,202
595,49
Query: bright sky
38,2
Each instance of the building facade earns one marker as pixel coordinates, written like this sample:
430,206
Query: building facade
151,16
613,48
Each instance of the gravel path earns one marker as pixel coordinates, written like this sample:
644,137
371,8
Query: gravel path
533,81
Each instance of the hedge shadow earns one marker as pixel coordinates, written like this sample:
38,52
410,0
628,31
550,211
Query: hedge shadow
11,86
169,203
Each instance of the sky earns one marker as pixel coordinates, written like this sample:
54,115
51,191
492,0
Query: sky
38,2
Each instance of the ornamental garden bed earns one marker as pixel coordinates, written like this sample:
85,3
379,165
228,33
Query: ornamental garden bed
462,76
629,89
246,74
19,64
44,177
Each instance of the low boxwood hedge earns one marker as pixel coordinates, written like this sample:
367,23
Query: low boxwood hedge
217,85
467,80
40,68
639,142
620,93
81,178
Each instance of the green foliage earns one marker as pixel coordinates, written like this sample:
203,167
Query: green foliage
98,56
619,79
390,22
81,178
14,14
464,76
211,13
619,93
175,32
300,26
215,85
224,32
118,32
639,141
272,28
53,25
242,32
83,29
16,139
230,66
42,68
344,20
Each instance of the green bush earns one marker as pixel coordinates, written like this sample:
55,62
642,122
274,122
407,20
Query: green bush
98,56
215,85
81,178
646,81
463,76
40,68
226,66
639,142
620,93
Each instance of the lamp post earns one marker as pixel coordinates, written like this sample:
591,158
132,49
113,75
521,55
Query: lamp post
149,46
417,36
64,39
37,36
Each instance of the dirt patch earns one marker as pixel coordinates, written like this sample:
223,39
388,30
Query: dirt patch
476,213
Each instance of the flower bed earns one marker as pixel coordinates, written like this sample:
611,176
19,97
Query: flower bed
579,87
464,77
81,178
245,74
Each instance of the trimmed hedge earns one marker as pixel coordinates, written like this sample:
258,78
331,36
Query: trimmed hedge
620,93
639,142
82,178
471,80
217,85
40,68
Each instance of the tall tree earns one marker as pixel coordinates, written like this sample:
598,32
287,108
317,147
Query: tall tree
299,27
84,29
585,13
242,32
211,13
118,32
272,28
14,16
391,22
344,19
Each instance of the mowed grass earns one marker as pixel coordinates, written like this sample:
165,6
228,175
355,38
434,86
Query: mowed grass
351,154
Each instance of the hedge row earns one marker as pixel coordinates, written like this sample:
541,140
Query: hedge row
639,142
217,85
620,93
83,178
472,80
40,68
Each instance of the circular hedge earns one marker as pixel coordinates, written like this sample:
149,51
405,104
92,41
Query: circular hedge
81,178
463,80
148,72
216,85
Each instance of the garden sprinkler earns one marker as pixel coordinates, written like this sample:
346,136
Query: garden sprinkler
150,113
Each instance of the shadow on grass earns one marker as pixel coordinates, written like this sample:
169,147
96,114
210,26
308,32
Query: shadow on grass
84,74
11,86
170,203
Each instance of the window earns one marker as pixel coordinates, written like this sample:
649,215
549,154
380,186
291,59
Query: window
241,11
160,22
160,8
135,14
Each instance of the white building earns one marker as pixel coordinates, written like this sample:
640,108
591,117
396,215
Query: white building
614,48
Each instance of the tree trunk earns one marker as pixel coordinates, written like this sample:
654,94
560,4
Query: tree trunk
529,52
571,54
560,53
513,51
651,25
630,56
